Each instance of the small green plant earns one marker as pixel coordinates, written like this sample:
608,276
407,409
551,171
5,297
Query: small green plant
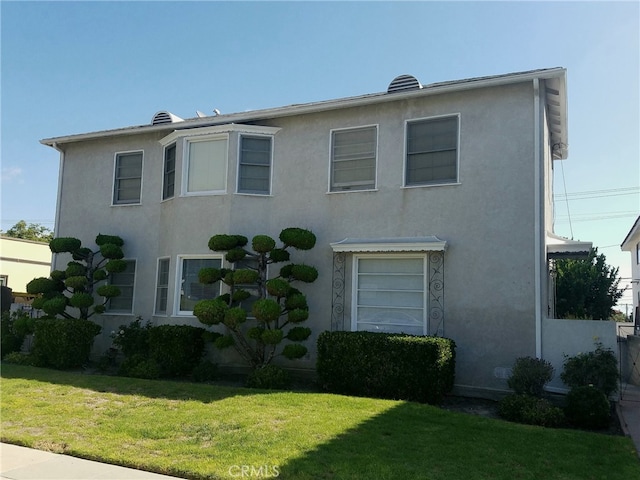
139,366
205,371
598,368
19,358
588,407
530,410
269,377
530,375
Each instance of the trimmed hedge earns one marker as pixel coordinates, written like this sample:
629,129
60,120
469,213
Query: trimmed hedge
386,365
63,342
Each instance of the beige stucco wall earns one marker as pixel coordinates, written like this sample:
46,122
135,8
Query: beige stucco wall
487,220
22,261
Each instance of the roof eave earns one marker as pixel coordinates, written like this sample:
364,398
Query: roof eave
315,107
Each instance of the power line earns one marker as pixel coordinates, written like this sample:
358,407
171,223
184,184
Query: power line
589,194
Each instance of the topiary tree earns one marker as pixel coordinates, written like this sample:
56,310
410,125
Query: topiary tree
277,308
69,293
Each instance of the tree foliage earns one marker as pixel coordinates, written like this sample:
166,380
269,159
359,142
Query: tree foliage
69,293
586,289
259,313
32,231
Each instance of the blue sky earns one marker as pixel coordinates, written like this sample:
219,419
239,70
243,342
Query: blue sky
75,67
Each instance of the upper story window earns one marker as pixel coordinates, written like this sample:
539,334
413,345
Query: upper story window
353,159
206,165
127,181
638,253
202,155
169,175
125,281
432,151
254,166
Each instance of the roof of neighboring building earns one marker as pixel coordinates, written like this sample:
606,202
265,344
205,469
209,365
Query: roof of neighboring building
555,101
626,244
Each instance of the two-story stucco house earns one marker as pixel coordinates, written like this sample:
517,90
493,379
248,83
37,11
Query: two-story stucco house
432,207
631,244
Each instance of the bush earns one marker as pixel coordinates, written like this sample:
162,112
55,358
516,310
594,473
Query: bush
598,368
205,371
63,342
14,327
588,407
386,365
269,377
530,410
530,375
139,366
20,359
175,349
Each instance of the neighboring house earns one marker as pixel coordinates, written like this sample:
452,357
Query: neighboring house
21,261
631,244
432,206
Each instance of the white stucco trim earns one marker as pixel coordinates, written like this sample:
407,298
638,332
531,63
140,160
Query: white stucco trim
218,129
400,244
537,214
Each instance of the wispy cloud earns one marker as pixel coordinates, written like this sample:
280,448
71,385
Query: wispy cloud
11,173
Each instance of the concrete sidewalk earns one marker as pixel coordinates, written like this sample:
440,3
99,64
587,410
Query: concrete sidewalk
20,463
629,412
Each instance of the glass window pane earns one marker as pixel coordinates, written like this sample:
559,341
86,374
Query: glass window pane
432,155
124,281
207,166
162,285
128,178
191,290
353,159
255,165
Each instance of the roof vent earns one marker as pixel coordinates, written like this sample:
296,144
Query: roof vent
404,82
161,118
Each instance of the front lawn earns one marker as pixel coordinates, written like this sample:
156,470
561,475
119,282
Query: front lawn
206,431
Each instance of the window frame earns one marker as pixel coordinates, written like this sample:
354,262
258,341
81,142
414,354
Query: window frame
178,284
187,161
165,173
115,202
354,188
241,136
422,256
108,310
163,286
435,183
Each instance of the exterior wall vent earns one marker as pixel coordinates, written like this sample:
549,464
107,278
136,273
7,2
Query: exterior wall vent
161,118
402,83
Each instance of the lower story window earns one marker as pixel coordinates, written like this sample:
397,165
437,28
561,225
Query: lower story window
191,290
124,280
390,294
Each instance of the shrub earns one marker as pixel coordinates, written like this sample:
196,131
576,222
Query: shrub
13,328
530,375
20,359
176,348
269,377
63,342
205,371
598,368
588,407
386,365
139,366
530,410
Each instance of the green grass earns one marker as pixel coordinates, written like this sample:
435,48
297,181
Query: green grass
206,431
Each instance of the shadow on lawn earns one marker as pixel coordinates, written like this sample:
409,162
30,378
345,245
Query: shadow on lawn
407,442
165,388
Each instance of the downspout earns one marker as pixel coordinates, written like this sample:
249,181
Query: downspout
537,220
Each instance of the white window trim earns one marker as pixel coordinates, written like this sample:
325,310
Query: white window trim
133,296
178,283
425,285
113,178
375,179
404,156
217,130
260,135
167,311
